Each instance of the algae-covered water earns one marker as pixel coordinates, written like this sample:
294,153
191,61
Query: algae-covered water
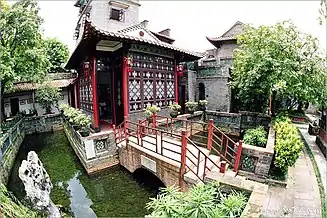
111,193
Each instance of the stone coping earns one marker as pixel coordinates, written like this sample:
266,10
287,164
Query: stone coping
180,117
226,114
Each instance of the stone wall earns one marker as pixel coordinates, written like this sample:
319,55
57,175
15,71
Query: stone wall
251,120
227,49
239,122
217,92
100,15
166,170
191,86
10,144
40,124
256,161
96,152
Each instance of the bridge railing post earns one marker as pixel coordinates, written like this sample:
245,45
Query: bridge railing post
210,133
183,152
238,155
114,128
126,128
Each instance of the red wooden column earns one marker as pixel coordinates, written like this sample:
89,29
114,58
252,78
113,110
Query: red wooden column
210,133
238,156
183,158
94,94
125,86
176,82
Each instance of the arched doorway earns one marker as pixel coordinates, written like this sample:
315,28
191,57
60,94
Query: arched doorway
147,179
202,91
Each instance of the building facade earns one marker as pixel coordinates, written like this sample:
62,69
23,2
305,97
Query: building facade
122,66
21,98
208,77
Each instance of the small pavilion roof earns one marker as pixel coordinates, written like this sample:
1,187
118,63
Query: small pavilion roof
29,86
227,36
91,31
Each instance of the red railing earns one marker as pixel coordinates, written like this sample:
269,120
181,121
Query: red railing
196,130
199,167
161,135
154,139
119,133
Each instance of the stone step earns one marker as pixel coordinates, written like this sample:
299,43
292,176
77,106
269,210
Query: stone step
194,177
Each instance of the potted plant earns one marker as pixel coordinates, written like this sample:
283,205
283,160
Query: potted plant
313,128
203,104
77,119
63,107
175,107
23,112
84,122
191,106
150,110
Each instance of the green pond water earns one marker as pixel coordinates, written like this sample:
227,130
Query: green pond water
111,193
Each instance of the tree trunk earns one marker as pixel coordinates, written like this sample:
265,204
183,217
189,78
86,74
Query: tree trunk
273,103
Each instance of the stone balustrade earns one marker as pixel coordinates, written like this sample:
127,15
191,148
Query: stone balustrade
96,152
9,145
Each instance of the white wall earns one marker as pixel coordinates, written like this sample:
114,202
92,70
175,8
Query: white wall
100,15
28,95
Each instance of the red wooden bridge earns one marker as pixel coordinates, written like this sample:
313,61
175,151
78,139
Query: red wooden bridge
197,147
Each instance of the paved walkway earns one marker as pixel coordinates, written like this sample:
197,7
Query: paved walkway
301,197
319,157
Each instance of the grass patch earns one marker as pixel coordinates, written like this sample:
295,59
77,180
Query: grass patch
323,198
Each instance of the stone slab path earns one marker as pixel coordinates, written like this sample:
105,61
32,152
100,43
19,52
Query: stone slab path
301,196
319,157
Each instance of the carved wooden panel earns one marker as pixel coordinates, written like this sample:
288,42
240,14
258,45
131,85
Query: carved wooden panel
151,81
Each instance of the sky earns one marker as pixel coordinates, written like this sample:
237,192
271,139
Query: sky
191,21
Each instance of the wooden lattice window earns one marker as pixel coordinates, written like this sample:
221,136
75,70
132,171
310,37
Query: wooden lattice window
85,92
151,81
116,14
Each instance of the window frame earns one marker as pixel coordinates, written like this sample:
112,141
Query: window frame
120,14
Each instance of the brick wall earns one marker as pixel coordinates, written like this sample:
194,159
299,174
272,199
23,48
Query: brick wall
256,161
192,85
217,92
238,122
130,158
227,49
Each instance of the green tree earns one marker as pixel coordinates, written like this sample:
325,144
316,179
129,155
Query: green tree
322,12
57,54
278,60
48,96
22,57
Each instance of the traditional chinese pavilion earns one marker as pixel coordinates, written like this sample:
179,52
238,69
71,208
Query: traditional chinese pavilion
122,66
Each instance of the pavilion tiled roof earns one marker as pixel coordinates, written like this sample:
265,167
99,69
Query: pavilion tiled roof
224,37
28,86
124,35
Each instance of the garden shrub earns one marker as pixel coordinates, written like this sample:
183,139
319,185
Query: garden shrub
11,207
256,137
202,201
288,144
